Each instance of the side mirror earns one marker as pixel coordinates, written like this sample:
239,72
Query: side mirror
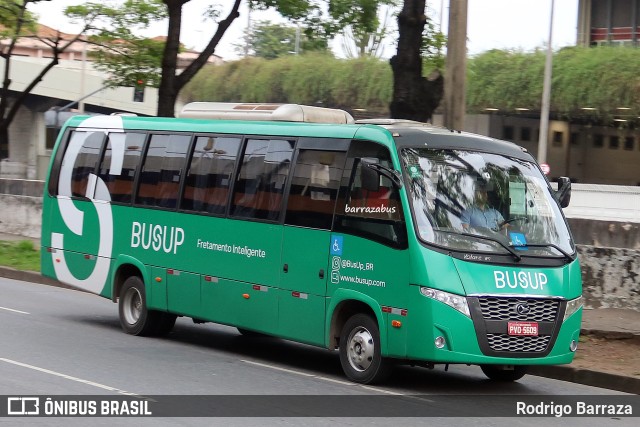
564,191
369,177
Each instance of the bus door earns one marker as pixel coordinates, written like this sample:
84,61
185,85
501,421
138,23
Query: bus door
306,240
369,256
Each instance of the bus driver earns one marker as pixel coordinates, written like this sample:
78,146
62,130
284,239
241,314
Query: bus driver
480,214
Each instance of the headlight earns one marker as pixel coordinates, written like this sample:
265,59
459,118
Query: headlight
452,300
573,306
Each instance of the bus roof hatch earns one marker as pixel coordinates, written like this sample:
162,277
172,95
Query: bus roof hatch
272,112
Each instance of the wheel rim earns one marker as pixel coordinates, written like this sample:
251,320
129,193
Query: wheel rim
361,349
132,306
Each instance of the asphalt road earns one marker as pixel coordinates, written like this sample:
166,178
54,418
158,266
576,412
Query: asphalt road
56,341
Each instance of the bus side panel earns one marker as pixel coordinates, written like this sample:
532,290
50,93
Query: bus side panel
240,304
243,250
183,293
75,257
156,287
302,317
46,260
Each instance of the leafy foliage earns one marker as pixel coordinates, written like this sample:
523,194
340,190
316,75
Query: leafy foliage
602,78
15,17
117,47
433,44
268,40
18,22
312,79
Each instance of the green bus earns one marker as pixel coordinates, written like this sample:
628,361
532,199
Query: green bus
390,241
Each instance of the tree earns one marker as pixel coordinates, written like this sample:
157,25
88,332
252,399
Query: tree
321,18
340,13
414,96
17,22
358,42
268,40
117,46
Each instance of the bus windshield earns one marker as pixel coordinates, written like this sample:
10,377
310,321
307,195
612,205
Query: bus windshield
481,202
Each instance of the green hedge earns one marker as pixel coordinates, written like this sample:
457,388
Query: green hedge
603,78
312,79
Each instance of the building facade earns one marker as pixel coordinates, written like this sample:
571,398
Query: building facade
608,22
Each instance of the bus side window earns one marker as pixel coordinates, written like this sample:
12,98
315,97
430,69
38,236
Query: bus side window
210,174
165,160
80,160
314,188
262,179
119,165
376,215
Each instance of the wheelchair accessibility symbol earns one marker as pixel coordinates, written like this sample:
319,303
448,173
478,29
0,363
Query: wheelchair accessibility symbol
518,240
336,245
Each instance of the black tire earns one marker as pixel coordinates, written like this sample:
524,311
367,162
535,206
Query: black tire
135,318
165,324
360,355
503,374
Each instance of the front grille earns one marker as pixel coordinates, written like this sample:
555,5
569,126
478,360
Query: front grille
491,315
502,342
540,310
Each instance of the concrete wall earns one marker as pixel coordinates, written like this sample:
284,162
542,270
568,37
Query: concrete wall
610,277
609,251
21,207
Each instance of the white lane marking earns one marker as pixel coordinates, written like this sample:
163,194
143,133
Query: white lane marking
15,311
277,368
337,381
379,390
68,377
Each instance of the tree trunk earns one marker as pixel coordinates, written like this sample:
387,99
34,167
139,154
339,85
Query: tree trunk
414,96
170,83
167,91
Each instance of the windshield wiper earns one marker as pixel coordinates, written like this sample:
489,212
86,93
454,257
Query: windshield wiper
550,245
516,256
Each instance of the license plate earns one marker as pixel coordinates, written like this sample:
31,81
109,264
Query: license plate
523,328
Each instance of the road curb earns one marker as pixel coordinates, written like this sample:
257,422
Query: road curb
558,372
588,377
30,276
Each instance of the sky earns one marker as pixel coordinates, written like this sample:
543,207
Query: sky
492,24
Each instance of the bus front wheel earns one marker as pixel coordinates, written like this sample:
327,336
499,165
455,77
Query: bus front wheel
505,374
135,318
360,354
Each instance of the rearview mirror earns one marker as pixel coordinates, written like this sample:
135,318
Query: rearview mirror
369,177
564,191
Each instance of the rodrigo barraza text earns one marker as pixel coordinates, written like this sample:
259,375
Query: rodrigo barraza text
575,408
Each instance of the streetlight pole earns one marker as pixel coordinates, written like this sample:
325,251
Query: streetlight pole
546,96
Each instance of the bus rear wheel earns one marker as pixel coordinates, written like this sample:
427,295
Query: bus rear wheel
504,373
135,318
165,324
360,354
